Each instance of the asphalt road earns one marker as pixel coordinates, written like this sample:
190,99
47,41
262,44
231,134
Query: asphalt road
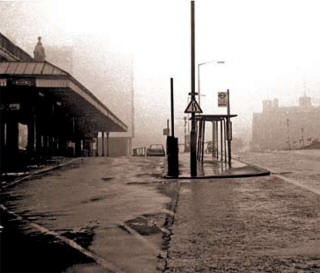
126,218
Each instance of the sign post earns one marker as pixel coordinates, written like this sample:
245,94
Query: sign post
193,136
224,101
2,109
229,128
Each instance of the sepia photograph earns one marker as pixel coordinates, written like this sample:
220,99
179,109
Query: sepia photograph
159,136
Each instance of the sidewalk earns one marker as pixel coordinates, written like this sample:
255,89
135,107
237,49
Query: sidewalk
245,225
212,168
11,179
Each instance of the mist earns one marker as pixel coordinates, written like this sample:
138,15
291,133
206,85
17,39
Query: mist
270,50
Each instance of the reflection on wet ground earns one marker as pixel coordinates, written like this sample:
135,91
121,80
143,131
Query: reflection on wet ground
91,204
24,249
212,168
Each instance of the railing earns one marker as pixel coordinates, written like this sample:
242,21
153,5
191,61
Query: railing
15,52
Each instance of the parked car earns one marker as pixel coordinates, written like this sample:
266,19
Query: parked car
156,150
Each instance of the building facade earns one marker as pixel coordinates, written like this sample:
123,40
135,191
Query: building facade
285,128
48,108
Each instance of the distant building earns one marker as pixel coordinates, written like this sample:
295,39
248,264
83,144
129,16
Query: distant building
11,52
283,128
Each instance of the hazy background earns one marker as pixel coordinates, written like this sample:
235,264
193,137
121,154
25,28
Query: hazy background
271,50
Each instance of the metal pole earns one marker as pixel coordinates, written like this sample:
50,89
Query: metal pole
97,146
108,145
213,140
203,139
185,133
225,140
199,84
217,139
102,143
193,151
172,108
288,124
132,101
2,132
229,129
221,141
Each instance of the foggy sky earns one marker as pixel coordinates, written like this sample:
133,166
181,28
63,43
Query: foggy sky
271,50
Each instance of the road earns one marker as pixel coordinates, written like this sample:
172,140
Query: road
132,220
97,202
301,166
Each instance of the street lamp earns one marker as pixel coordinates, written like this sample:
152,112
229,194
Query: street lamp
200,64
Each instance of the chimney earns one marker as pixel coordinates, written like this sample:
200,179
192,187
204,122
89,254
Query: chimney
39,55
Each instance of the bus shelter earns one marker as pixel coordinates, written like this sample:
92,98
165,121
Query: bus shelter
220,146
62,116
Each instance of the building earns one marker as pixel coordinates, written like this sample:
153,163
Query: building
60,115
283,128
10,52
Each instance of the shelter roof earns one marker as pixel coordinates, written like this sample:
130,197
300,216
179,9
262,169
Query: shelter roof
62,85
214,117
30,68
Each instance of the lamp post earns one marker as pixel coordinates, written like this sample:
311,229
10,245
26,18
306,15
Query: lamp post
193,136
199,65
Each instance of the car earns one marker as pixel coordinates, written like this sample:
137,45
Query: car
156,150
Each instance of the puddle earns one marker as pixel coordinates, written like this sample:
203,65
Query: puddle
94,199
83,236
155,175
30,251
139,183
147,224
106,178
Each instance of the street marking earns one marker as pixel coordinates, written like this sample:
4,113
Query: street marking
99,260
297,183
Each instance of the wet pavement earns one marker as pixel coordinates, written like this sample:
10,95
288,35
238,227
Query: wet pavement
213,168
121,215
257,224
100,196
245,225
302,166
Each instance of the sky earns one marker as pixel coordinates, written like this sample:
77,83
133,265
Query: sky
270,49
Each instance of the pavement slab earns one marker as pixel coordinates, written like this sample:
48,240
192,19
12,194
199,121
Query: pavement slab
212,168
245,225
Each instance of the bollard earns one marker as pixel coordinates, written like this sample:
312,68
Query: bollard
172,156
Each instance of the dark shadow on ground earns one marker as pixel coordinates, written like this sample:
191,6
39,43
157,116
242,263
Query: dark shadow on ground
24,250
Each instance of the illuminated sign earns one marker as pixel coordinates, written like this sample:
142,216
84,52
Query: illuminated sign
14,106
23,82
